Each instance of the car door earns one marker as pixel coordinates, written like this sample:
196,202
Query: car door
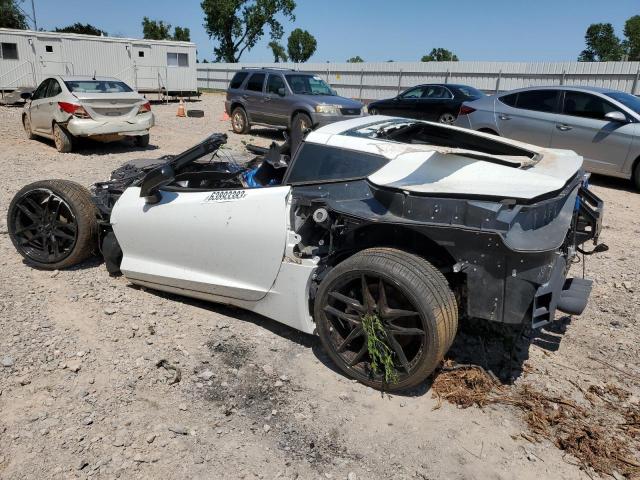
276,104
37,110
228,243
407,103
528,116
253,96
50,104
582,127
433,102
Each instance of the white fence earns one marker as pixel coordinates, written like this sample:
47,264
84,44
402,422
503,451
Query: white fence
381,80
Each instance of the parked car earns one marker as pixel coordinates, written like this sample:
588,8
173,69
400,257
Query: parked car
285,99
378,229
434,101
63,108
600,124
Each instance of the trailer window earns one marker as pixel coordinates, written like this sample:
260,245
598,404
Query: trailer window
9,51
48,48
140,53
177,59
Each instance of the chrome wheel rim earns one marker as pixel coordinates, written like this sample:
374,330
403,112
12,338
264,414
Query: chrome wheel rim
238,121
447,118
44,226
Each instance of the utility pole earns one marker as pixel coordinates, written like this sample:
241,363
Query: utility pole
33,13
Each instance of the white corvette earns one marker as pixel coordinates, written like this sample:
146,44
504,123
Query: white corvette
376,233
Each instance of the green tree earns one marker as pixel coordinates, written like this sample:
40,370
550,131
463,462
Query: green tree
12,16
301,45
356,59
632,38
440,55
602,44
84,28
181,34
237,25
279,53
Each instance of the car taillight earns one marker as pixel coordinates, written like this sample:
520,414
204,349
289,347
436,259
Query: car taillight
145,107
73,109
466,110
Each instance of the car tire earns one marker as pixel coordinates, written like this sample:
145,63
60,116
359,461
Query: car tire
447,118
239,121
636,175
26,123
374,111
142,141
412,287
301,123
53,224
62,139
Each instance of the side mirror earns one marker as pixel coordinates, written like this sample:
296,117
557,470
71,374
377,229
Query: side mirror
281,92
616,116
156,178
25,95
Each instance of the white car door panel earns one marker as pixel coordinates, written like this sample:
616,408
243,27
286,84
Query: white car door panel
224,242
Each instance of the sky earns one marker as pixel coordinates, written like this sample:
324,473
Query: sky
379,30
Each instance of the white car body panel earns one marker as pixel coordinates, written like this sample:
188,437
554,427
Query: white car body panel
434,169
195,241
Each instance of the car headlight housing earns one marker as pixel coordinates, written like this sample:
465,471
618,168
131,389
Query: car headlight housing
328,109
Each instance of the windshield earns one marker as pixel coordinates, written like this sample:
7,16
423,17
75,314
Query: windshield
308,85
628,100
97,86
470,92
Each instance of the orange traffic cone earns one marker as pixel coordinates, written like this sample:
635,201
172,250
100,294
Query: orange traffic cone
181,112
225,117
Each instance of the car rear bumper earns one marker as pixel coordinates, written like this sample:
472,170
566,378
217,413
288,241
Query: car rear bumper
86,127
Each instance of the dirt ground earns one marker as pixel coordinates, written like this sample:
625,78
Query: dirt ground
81,394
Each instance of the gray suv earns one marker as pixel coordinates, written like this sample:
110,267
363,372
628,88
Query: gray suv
285,99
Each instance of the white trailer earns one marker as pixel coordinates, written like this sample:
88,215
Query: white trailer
160,66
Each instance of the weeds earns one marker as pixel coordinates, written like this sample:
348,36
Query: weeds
379,350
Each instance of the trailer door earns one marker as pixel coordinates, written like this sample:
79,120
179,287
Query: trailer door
49,57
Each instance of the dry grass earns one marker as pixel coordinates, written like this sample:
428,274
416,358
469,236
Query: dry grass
602,437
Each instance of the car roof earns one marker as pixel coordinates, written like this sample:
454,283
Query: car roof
273,70
84,78
585,88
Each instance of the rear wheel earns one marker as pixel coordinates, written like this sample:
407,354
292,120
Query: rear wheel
53,223
239,121
62,139
636,175
374,111
386,318
447,118
26,123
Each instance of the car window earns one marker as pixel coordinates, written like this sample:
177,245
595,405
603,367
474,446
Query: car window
435,92
97,86
53,89
580,104
320,163
274,84
413,93
308,85
41,91
509,99
255,82
237,79
538,100
470,92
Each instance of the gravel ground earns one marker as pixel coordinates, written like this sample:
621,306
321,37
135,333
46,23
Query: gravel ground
87,387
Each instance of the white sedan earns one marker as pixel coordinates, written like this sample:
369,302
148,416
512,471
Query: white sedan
107,109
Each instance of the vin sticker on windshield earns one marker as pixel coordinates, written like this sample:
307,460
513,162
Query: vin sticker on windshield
225,196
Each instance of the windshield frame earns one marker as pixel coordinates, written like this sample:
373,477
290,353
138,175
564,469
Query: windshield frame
288,76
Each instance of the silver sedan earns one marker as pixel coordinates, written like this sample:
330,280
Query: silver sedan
600,124
63,108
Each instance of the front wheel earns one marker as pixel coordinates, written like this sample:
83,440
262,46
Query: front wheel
26,123
447,118
386,318
53,224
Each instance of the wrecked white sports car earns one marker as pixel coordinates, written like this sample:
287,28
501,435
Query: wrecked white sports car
376,233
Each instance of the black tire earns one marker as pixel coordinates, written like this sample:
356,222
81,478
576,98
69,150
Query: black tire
402,277
489,131
301,124
240,121
26,123
142,141
62,139
447,118
53,224
636,175
374,111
